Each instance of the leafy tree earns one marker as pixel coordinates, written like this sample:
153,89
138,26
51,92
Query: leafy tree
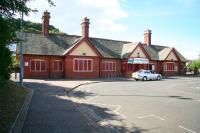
15,64
8,28
7,36
194,66
35,27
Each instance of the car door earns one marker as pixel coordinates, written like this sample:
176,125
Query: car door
147,74
153,75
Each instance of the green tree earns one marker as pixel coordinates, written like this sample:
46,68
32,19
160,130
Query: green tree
194,66
15,64
8,28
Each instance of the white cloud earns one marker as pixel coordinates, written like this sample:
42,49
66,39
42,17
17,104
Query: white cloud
110,8
67,15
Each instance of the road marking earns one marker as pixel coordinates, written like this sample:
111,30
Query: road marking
159,117
198,100
144,116
189,130
152,115
118,107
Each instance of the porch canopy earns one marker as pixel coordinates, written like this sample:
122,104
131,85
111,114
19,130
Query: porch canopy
138,61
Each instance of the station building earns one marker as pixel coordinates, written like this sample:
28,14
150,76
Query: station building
71,56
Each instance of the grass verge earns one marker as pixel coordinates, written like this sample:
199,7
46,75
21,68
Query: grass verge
12,98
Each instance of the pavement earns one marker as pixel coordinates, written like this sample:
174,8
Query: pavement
168,106
52,111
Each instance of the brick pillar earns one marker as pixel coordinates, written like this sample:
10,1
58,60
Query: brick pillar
45,23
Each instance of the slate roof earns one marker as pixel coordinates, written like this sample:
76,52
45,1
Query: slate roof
108,48
36,43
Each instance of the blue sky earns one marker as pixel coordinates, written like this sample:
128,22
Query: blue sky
174,23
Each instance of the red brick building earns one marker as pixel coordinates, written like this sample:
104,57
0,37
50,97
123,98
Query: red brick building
70,56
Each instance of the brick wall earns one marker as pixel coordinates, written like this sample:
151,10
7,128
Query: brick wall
48,73
110,73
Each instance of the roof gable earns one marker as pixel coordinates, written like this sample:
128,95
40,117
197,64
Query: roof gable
138,52
83,49
164,53
128,48
172,56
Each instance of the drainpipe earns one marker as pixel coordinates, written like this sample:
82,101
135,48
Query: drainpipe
49,66
99,67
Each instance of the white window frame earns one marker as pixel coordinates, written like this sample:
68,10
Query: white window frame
175,67
83,59
41,60
57,66
111,62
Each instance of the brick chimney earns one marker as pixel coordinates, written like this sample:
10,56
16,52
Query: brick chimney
45,23
147,37
85,27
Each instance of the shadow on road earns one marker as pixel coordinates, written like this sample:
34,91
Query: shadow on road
50,111
84,94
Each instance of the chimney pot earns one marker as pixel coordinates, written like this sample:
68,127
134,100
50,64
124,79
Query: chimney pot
147,37
45,23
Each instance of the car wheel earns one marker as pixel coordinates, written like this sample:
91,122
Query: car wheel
158,78
136,79
144,78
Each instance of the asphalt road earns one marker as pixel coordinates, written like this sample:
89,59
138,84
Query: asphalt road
166,106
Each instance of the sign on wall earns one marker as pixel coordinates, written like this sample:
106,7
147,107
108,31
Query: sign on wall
138,61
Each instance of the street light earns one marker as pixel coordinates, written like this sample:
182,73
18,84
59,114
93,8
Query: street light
21,51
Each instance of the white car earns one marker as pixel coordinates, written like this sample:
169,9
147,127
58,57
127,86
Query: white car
146,75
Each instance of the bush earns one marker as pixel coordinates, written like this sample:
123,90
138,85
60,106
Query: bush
7,35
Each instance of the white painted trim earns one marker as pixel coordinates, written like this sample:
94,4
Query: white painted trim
83,59
175,67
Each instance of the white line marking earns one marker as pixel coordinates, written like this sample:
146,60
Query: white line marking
159,117
187,129
118,107
152,115
116,111
198,100
144,116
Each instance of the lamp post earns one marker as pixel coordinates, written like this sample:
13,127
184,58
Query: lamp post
21,51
